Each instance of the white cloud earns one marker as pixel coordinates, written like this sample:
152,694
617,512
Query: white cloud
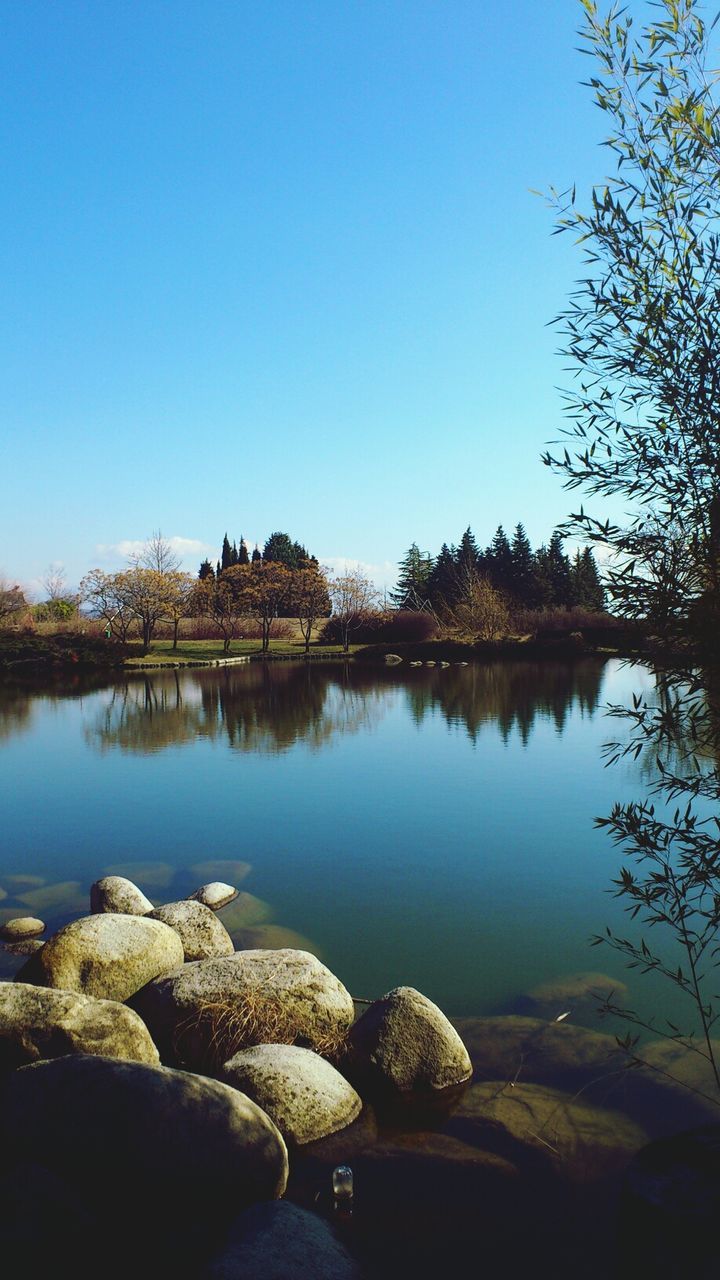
383,574
186,548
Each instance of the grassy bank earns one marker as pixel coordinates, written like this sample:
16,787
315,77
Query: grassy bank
188,652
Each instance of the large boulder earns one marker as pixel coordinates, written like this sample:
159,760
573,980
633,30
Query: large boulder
40,1023
556,1053
201,933
118,896
206,1011
279,1241
143,1142
405,1044
302,1093
536,1126
108,956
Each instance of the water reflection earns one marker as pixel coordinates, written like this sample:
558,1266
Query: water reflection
268,708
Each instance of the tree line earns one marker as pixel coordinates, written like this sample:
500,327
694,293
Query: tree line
521,577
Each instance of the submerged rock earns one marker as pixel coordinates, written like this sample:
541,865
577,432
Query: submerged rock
170,1147
118,896
206,1011
108,956
405,1043
66,896
21,927
214,895
245,910
302,1093
279,1241
233,870
201,933
570,993
531,1049
529,1123
154,875
36,1023
25,947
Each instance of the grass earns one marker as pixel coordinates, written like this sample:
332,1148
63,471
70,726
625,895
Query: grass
161,652
218,1029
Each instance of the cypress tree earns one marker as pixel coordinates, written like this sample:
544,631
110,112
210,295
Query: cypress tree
243,557
225,554
206,571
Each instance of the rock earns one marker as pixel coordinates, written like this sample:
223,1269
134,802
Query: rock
245,910
392,659
273,937
20,928
207,1011
214,895
39,1023
200,931
162,1149
229,869
535,1125
302,1093
154,875
556,1053
670,1206
569,994
65,896
25,947
3,894
405,1043
23,881
108,956
690,1069
279,1241
118,896
42,1219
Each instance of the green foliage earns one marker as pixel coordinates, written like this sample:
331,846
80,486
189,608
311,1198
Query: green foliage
412,584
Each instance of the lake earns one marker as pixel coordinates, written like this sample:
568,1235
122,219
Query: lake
422,826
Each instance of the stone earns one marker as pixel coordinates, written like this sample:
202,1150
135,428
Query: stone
302,1093
42,1219
23,880
117,896
163,1149
404,1043
108,956
279,1241
65,896
556,1053
392,659
214,895
570,993
206,1011
536,1126
154,875
201,933
21,927
25,947
36,1022
245,910
273,937
3,894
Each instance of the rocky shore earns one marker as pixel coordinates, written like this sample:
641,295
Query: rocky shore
170,1105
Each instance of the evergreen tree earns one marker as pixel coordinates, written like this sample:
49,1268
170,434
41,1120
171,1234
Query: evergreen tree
256,555
225,555
233,555
218,569
522,569
243,557
558,571
467,556
412,583
206,571
586,589
497,561
442,580
281,549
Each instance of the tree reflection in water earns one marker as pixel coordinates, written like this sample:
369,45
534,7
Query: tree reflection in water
269,707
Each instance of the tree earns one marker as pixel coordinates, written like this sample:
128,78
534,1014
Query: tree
226,555
442,581
180,599
206,570
522,568
13,605
99,591
147,595
256,555
156,554
480,610
643,337
222,599
412,585
266,587
281,549
309,599
497,561
243,557
586,589
352,595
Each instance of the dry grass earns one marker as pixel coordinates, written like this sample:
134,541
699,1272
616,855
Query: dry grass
220,1028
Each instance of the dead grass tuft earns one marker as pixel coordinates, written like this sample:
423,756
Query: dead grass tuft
220,1028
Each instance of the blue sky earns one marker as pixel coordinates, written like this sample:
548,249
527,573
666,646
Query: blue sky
277,266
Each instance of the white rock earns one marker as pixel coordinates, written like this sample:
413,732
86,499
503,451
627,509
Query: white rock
201,933
118,896
214,895
406,1043
302,1093
22,927
108,956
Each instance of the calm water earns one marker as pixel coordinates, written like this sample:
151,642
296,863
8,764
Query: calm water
430,827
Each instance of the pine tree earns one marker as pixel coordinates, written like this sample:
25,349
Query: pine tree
522,575
412,584
206,571
243,557
498,561
256,555
558,571
467,556
281,549
586,589
442,580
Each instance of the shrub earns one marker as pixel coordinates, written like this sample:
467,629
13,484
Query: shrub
384,626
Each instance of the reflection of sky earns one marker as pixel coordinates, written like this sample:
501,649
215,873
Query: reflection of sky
408,851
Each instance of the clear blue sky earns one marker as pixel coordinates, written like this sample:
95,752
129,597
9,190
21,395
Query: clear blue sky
277,266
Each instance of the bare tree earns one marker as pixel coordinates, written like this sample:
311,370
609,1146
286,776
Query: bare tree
55,583
13,604
352,595
156,554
